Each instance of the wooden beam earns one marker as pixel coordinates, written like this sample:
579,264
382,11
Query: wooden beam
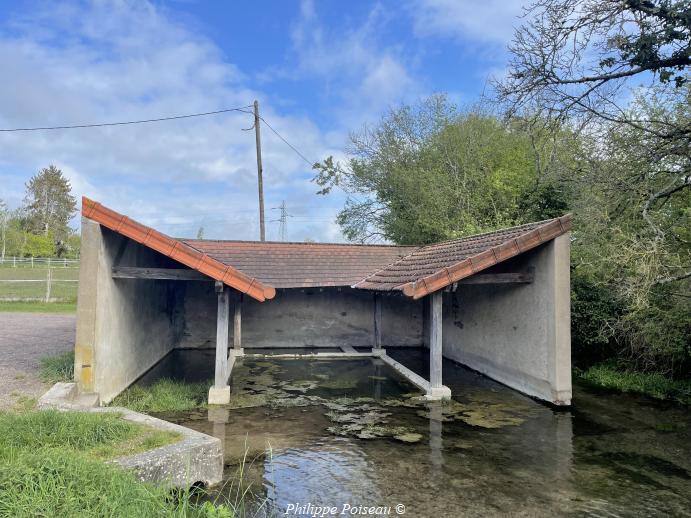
435,339
499,278
222,317
169,274
377,321
237,322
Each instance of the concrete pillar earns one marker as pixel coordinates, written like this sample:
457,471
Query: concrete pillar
91,256
559,351
436,389
377,321
237,322
219,394
435,348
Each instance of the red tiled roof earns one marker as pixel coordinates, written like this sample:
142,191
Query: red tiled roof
177,250
257,268
302,265
433,267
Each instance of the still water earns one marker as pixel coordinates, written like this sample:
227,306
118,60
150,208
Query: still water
336,432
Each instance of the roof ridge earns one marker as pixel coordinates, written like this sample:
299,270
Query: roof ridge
489,232
378,245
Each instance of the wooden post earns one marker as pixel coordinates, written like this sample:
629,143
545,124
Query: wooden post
260,180
49,279
237,322
377,321
435,349
221,377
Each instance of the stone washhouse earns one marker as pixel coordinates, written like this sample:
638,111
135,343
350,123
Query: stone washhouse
496,302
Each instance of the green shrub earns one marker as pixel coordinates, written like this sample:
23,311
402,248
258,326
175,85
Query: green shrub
58,368
593,311
165,395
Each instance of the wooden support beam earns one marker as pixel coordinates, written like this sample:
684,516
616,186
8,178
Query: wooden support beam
169,274
435,339
237,321
377,321
499,278
222,317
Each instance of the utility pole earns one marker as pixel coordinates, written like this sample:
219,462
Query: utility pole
260,180
283,220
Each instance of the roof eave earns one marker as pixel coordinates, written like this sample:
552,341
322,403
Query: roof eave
177,250
487,258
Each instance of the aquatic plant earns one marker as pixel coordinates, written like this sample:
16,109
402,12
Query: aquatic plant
652,384
164,395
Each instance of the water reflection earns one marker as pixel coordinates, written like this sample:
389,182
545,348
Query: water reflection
335,432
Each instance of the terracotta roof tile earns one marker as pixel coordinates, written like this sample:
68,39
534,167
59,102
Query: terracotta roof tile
430,268
302,265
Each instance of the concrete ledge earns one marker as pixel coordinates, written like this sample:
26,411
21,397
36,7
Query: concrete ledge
197,457
303,356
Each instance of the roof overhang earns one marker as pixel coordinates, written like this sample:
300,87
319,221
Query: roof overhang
495,255
176,250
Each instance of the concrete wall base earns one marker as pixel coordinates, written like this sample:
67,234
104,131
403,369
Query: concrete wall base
197,457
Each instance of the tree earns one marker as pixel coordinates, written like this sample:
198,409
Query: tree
429,172
49,205
200,232
572,56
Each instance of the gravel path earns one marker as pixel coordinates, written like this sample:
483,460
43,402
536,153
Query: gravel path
25,338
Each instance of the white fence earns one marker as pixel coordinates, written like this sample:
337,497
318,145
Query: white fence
46,279
38,262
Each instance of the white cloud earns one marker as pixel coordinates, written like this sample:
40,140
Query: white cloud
488,21
365,75
113,61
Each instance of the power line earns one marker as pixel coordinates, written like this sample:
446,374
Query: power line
287,143
125,123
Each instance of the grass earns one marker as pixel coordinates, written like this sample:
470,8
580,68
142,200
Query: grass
57,368
651,384
164,395
51,465
101,436
38,307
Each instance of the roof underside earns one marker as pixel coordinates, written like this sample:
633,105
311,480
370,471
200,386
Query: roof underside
257,268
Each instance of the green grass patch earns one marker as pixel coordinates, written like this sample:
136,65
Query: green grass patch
59,482
102,435
164,395
650,384
38,307
58,368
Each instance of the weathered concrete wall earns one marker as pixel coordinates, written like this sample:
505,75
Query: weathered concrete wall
124,326
519,335
306,318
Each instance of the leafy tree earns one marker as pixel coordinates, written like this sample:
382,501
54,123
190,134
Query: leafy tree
429,172
49,205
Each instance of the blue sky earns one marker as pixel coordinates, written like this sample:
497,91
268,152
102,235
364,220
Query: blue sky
319,70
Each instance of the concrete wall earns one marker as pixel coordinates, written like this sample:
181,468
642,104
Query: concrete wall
306,317
124,326
519,335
